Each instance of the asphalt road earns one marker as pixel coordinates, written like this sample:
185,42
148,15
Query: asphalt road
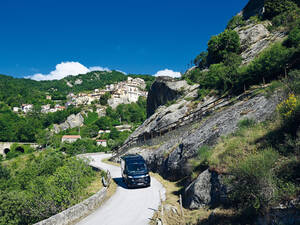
126,206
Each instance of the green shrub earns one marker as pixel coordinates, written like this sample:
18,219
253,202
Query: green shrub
253,181
90,118
269,65
221,45
204,154
201,60
293,39
235,21
276,7
246,123
286,18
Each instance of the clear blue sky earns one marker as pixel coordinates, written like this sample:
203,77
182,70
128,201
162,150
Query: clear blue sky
135,36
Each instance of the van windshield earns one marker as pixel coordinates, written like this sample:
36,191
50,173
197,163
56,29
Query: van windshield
136,167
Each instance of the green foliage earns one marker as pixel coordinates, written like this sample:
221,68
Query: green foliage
27,128
292,82
221,45
269,65
104,98
90,118
253,180
89,131
104,123
41,186
246,123
286,19
204,153
293,39
81,146
201,60
236,21
276,7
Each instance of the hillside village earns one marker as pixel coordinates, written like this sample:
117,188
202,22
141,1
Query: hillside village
124,92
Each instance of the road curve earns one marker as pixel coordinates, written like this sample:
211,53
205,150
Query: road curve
126,206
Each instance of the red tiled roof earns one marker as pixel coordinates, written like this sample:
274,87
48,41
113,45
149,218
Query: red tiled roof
101,140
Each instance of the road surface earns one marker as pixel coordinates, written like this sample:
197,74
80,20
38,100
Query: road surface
126,206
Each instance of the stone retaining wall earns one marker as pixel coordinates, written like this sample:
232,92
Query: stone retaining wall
78,211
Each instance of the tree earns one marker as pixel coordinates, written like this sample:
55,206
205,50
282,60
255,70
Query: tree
276,7
104,98
220,46
201,60
104,123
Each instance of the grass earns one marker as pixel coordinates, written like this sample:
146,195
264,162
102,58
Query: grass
231,149
95,186
172,198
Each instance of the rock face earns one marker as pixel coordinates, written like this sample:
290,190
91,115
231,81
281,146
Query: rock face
164,89
169,154
207,190
255,38
71,122
253,8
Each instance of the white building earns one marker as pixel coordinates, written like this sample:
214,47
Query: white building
16,109
27,108
102,143
70,138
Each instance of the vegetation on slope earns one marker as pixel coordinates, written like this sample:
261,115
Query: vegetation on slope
220,67
37,186
262,159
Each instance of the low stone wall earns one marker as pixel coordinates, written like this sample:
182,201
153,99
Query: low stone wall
77,211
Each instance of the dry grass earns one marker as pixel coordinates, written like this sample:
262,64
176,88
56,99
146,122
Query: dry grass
172,198
110,162
95,186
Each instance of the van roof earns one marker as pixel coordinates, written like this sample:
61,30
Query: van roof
132,157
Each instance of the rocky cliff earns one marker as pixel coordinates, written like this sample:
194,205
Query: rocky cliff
164,89
169,153
253,8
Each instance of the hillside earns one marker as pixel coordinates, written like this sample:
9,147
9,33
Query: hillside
15,92
228,132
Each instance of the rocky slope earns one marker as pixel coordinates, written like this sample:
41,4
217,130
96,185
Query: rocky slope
169,153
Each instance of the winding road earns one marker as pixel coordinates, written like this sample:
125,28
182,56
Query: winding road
126,206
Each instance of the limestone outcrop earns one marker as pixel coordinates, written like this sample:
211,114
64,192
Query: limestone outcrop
255,38
71,122
207,190
165,89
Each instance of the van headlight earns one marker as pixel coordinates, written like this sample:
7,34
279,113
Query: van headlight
130,177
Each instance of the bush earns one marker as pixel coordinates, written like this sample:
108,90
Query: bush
269,65
253,181
293,39
246,123
42,186
286,18
201,60
235,21
276,7
221,45
288,107
204,154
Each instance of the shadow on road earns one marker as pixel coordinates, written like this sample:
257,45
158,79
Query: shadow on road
119,181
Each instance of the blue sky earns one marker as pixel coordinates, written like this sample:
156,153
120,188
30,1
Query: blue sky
134,36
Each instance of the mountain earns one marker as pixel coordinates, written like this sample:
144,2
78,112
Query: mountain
14,91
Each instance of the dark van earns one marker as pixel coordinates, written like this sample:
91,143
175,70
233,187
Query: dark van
134,171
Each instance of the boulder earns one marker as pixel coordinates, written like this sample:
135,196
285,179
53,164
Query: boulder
208,190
